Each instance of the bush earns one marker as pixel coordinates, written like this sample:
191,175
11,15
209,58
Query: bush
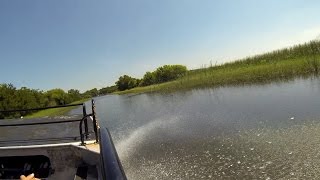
169,73
25,98
126,82
148,79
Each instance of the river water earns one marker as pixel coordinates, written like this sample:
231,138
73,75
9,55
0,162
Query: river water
249,132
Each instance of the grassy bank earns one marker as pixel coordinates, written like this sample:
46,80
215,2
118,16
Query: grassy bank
285,64
54,112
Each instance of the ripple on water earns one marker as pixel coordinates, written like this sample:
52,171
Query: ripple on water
291,153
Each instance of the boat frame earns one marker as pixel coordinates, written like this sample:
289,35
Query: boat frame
87,158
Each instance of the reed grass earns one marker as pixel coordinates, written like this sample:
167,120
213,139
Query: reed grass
280,65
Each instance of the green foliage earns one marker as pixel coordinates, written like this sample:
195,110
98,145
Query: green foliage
107,90
28,99
74,95
25,98
56,97
126,82
91,93
7,92
148,79
281,65
163,74
306,50
169,72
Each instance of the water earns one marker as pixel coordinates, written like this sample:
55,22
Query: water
251,132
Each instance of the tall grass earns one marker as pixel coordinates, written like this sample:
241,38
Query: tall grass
285,64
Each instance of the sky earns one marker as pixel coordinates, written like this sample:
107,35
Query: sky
81,44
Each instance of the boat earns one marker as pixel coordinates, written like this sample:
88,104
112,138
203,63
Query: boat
87,152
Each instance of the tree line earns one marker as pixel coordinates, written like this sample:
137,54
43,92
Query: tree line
160,75
12,98
26,98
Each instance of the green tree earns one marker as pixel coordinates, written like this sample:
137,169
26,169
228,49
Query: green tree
108,90
91,93
7,100
74,95
126,82
169,73
148,79
26,99
56,97
12,98
23,98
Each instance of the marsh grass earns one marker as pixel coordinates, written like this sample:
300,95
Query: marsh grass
280,65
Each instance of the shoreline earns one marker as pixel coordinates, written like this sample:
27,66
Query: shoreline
236,74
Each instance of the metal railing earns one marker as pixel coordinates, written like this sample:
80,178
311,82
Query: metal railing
110,163
38,109
82,121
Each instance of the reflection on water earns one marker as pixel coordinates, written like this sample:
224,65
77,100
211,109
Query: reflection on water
252,132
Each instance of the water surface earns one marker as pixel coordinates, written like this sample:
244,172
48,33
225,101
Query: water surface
250,132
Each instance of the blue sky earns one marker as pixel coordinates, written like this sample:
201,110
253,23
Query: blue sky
84,44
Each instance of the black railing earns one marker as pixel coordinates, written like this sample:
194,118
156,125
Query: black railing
82,135
110,164
94,123
94,119
38,109
84,111
40,123
82,121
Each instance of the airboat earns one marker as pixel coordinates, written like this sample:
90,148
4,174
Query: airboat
74,147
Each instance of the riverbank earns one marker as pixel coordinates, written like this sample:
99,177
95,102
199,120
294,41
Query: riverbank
54,112
285,64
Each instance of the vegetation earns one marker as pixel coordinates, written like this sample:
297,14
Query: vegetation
25,98
285,64
91,93
108,90
162,74
126,82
